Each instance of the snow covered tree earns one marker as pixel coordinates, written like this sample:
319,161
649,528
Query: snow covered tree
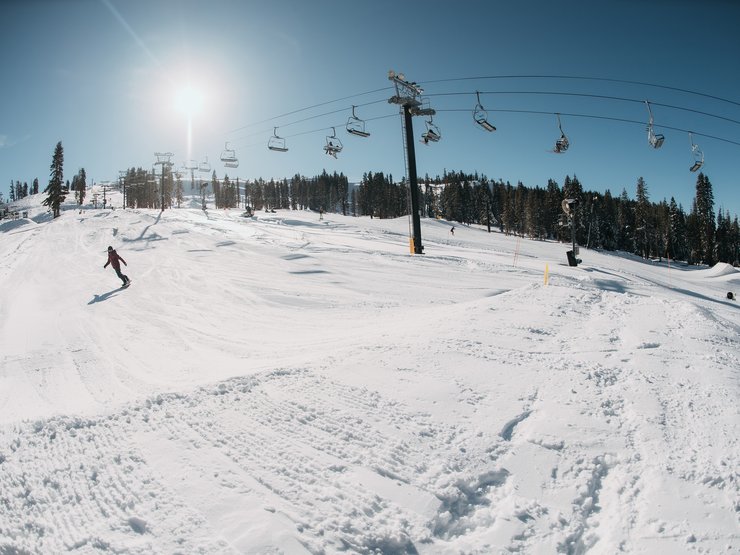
35,187
54,190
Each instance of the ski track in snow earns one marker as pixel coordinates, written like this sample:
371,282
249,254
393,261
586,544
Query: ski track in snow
256,437
474,427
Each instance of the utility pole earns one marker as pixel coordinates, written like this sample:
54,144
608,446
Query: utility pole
163,159
407,96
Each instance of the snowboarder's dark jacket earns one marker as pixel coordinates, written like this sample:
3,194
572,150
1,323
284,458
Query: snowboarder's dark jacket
113,259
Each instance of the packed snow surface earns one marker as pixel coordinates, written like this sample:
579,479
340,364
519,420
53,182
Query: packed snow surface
287,383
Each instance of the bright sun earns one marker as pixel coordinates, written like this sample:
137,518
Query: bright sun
189,100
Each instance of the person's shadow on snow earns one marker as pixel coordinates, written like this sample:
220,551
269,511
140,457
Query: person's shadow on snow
104,296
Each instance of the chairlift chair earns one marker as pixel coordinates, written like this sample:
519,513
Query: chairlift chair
698,155
562,144
356,126
333,145
432,133
480,115
277,143
228,157
655,140
204,166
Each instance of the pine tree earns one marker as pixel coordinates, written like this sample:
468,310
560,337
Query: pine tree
35,188
625,223
705,219
642,219
54,190
80,187
178,189
693,239
677,246
553,209
724,251
735,242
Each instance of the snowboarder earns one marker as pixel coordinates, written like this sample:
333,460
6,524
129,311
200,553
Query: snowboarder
113,260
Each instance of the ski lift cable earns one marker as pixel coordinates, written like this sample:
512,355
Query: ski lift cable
592,116
324,129
536,112
315,131
262,132
599,96
583,78
309,108
486,77
569,77
555,93
500,110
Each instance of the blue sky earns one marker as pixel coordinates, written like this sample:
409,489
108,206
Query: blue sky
104,76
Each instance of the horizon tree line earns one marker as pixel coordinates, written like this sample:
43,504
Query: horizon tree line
603,221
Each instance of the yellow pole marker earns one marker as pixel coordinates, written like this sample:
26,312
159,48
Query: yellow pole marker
547,271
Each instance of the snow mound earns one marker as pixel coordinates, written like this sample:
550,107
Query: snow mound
720,273
721,269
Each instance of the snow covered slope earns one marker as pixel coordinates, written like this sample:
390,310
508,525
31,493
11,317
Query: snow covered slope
285,384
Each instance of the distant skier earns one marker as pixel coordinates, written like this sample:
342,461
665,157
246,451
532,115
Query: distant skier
113,260
452,230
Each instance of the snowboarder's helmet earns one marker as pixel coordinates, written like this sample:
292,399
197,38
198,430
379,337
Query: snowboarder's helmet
110,248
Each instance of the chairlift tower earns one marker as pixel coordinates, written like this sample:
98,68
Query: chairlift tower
105,193
407,96
192,165
122,185
163,159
